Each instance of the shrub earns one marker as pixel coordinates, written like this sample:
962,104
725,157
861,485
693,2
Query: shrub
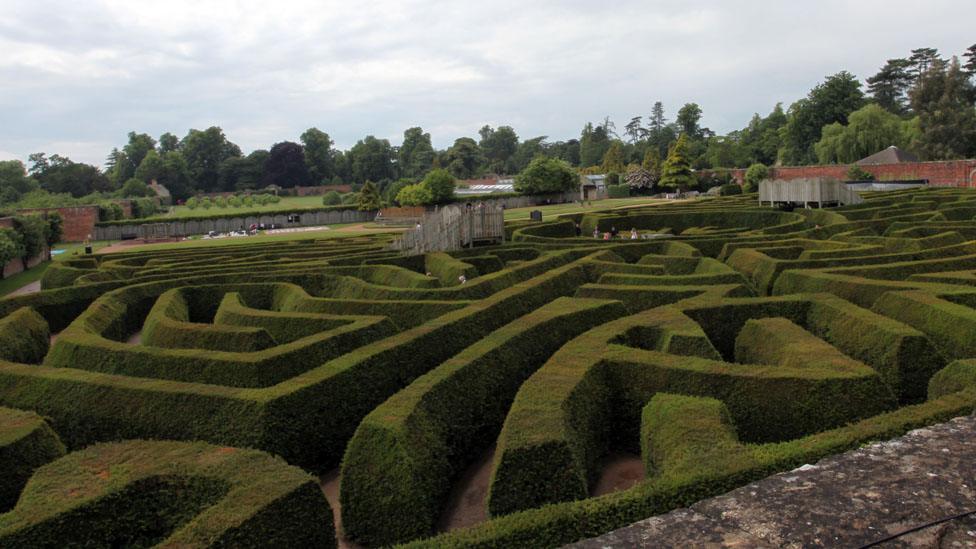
414,195
369,198
205,203
331,198
546,175
613,178
192,202
618,191
234,201
754,174
26,443
730,189
439,184
247,201
24,336
134,188
857,173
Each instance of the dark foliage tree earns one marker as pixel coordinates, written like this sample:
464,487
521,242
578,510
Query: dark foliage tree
689,117
943,101
204,151
416,155
369,198
889,87
168,143
285,165
318,156
464,158
594,142
829,102
546,175
370,159
498,146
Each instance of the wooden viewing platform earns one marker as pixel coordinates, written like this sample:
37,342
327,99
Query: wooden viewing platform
820,191
454,227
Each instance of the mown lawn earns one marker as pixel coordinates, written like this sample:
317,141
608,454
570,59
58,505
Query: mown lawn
331,232
286,203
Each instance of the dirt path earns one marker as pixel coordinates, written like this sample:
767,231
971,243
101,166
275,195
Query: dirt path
31,288
466,504
330,487
135,339
618,472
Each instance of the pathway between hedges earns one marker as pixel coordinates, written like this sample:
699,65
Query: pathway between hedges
848,500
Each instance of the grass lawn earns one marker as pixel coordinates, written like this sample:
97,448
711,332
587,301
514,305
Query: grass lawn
332,232
548,212
286,203
34,274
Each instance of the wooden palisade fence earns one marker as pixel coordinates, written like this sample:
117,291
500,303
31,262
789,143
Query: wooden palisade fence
454,227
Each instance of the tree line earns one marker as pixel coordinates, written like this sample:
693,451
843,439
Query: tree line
923,102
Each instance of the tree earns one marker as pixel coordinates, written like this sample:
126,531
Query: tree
613,159
244,173
369,198
416,155
168,143
10,247
869,130
14,182
634,130
150,168
135,188
53,230
970,56
546,175
529,149
568,151
138,147
414,195
640,180
370,159
652,163
922,60
676,172
498,148
688,120
594,143
285,165
61,175
657,121
755,174
204,151
393,189
464,158
33,236
440,185
828,102
175,175
943,101
889,87
318,156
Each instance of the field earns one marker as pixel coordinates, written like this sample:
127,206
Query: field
285,204
317,391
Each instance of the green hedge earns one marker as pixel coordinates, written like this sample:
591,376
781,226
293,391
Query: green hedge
618,191
24,336
399,467
26,443
59,275
229,215
169,493
448,269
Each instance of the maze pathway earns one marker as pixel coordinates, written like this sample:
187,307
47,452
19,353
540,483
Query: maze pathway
530,394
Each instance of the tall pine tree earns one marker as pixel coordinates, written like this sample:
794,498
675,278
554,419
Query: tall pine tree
676,173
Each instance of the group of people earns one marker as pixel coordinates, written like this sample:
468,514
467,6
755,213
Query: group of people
608,235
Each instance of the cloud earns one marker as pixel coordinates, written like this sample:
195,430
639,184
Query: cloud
77,77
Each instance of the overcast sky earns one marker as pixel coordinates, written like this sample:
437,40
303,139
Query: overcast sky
76,77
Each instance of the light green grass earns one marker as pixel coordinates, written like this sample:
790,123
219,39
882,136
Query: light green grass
549,212
261,238
286,203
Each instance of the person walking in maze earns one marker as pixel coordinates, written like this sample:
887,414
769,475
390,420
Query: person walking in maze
633,233
613,232
596,233
579,230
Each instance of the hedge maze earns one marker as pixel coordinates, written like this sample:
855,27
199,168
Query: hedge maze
193,397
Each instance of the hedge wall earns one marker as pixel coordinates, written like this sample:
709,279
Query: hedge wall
174,494
24,336
26,443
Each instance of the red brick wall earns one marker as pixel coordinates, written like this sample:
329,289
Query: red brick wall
950,173
16,265
79,221
320,190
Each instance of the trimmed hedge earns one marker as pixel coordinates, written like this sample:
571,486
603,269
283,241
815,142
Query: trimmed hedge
399,467
230,215
447,269
169,493
26,443
24,336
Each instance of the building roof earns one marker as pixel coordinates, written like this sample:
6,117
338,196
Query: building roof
891,155
160,190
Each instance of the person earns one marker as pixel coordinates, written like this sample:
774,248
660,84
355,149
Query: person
596,232
418,226
606,236
613,231
462,279
579,231
633,233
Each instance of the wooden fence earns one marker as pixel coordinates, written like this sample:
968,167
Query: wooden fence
452,228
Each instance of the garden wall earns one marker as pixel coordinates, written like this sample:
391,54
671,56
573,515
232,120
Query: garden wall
950,173
79,221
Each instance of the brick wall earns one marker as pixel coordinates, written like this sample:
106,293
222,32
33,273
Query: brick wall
950,173
79,221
